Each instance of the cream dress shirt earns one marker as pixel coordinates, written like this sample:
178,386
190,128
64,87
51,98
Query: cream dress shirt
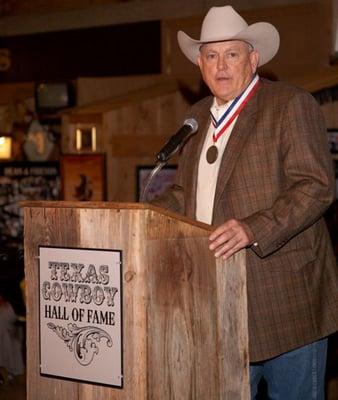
208,173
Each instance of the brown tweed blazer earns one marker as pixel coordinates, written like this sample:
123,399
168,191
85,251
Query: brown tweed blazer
275,176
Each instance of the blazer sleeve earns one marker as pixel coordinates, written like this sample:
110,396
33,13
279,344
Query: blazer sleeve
309,182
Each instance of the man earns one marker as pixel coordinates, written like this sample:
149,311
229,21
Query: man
259,169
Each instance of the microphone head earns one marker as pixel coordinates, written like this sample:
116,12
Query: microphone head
192,123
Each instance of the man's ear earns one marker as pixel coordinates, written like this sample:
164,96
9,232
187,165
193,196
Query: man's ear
254,59
199,60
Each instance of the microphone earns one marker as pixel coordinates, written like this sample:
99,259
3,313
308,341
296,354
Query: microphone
189,127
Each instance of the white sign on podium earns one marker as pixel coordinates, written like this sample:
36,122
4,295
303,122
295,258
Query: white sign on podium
81,314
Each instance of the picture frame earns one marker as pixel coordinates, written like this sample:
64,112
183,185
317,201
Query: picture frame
333,140
162,180
24,181
83,177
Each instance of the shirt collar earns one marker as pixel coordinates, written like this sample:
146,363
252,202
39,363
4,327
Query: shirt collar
219,110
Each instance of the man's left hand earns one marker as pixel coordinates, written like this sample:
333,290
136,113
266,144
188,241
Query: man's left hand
229,238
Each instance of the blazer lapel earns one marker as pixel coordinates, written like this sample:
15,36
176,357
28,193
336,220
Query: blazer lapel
239,135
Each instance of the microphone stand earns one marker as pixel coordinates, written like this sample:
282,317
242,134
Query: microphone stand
153,173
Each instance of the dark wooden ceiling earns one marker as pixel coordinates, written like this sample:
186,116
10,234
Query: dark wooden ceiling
20,7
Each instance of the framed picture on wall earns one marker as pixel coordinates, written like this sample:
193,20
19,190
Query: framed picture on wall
161,181
333,139
83,177
20,181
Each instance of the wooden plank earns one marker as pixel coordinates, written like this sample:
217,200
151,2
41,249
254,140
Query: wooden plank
125,227
45,226
132,145
87,118
123,173
117,206
170,225
182,320
143,117
14,92
196,303
91,90
126,99
232,319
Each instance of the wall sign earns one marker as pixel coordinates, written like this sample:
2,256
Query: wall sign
81,314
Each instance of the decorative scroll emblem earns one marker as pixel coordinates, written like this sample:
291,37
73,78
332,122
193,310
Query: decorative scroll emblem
81,340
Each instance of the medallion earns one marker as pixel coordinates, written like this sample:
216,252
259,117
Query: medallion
212,154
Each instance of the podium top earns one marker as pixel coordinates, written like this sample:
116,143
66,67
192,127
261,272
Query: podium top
113,206
88,204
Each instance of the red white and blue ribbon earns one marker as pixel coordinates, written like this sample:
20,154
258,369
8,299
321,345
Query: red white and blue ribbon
233,111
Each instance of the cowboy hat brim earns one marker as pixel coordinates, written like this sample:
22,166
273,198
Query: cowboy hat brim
263,36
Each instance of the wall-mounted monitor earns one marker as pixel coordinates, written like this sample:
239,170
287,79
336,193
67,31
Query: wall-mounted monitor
51,97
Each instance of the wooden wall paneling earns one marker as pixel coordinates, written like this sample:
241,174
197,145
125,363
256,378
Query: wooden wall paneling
140,146
138,119
305,31
231,278
66,143
173,60
172,110
91,90
326,77
122,183
44,227
113,170
330,111
12,92
134,134
153,116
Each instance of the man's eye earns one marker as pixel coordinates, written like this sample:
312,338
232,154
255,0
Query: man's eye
232,54
211,56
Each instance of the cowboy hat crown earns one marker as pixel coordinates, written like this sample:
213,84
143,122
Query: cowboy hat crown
224,23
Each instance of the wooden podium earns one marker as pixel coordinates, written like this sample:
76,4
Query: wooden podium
184,313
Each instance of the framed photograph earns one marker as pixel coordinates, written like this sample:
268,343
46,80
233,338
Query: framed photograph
19,181
333,140
83,177
161,181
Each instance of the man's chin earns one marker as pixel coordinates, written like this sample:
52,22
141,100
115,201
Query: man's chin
224,95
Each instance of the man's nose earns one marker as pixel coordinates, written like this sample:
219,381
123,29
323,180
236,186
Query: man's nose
221,63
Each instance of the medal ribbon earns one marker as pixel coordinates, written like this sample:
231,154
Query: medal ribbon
233,111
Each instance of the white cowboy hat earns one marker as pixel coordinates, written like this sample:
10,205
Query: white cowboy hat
224,23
